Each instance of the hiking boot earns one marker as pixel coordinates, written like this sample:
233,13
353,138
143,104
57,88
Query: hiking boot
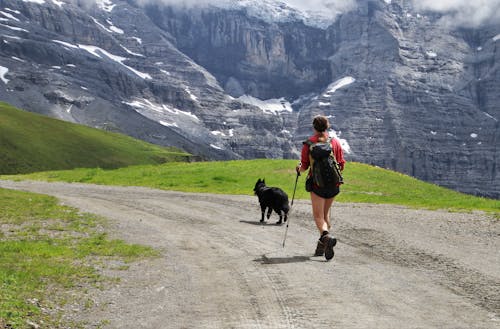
320,249
329,242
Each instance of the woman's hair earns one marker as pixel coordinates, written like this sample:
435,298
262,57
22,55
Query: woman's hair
320,124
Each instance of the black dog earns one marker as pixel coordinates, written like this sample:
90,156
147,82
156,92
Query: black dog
272,198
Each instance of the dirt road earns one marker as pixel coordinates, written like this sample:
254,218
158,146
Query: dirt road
220,268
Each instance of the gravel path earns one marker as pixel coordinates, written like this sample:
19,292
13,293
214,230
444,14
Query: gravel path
220,268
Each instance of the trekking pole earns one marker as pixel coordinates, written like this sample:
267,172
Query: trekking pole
293,197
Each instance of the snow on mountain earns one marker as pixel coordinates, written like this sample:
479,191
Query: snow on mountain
3,72
333,87
343,142
106,5
40,2
277,11
97,52
274,106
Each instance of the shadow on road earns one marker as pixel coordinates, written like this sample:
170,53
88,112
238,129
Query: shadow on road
257,223
281,260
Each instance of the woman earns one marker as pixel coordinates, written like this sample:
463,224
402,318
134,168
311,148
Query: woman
322,198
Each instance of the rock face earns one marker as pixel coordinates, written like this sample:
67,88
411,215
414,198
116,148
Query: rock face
402,90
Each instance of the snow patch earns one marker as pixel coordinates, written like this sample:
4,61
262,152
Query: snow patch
116,29
218,133
191,95
131,52
18,59
58,3
168,124
96,51
10,37
40,2
324,104
273,105
3,72
106,5
15,28
343,143
216,147
13,11
433,133
222,134
473,135
139,40
102,26
160,108
490,116
113,28
9,16
340,83
431,54
496,37
65,44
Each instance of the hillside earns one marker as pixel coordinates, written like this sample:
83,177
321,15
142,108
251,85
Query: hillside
364,183
31,142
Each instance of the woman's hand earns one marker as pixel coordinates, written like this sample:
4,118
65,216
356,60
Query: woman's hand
298,168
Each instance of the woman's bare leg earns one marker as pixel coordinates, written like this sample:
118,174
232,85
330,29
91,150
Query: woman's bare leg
326,210
321,211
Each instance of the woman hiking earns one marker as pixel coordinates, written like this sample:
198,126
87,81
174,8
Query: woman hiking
321,197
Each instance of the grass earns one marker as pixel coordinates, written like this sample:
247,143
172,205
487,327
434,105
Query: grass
30,142
364,183
46,247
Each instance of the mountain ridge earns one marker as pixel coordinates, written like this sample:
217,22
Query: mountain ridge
423,100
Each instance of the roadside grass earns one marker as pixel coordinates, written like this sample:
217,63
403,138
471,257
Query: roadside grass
46,250
364,183
31,142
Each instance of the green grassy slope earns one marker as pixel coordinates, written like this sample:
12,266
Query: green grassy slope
51,253
30,142
364,183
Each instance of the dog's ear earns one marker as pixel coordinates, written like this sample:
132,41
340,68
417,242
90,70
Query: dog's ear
264,180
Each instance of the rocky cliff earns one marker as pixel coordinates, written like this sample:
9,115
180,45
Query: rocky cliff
403,90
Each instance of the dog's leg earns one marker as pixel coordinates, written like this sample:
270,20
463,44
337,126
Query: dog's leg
281,217
263,210
269,211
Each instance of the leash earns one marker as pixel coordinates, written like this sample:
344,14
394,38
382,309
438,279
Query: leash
293,197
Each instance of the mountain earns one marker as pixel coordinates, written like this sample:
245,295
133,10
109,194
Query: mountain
243,79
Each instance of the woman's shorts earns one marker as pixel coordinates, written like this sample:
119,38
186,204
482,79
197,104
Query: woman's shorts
326,193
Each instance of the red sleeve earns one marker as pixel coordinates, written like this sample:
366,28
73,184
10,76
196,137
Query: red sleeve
304,157
339,153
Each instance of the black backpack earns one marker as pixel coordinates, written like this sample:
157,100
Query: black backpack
325,170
